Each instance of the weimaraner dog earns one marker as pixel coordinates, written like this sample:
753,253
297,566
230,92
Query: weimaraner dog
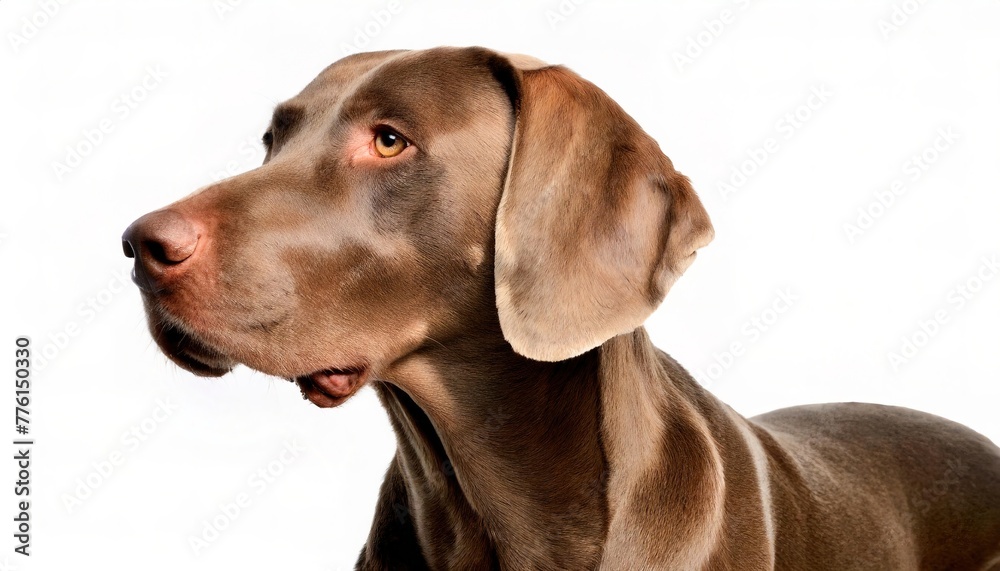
479,237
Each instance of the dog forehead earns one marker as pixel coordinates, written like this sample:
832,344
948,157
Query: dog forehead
342,76
441,89
439,84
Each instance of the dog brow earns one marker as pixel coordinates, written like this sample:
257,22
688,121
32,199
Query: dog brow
285,117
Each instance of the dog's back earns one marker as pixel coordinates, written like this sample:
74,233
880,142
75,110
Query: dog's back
879,483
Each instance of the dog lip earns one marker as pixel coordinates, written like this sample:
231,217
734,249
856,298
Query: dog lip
331,386
192,358
198,366
189,351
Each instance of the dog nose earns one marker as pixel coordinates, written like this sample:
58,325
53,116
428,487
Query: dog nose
159,241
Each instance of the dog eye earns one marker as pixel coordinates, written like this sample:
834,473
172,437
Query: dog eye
267,139
389,143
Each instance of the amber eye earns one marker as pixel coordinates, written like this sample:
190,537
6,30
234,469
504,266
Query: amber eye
389,143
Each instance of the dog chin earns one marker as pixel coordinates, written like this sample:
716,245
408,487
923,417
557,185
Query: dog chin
326,388
187,350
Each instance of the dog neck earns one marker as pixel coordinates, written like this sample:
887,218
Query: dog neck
518,461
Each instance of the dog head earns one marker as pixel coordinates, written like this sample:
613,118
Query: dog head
409,197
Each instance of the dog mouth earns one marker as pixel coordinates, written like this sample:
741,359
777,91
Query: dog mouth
188,351
325,388
331,387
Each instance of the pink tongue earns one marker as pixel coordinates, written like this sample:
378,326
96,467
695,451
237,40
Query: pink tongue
335,384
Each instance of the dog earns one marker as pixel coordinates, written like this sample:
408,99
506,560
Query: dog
480,237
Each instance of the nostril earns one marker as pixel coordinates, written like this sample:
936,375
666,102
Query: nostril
129,252
159,252
169,251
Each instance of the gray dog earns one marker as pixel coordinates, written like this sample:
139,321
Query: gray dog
480,237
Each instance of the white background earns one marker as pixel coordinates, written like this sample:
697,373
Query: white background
891,89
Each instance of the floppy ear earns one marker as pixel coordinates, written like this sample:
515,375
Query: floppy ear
594,225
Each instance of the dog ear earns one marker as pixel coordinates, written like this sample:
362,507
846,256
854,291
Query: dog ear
594,224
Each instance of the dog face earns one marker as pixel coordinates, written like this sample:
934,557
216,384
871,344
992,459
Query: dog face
410,197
